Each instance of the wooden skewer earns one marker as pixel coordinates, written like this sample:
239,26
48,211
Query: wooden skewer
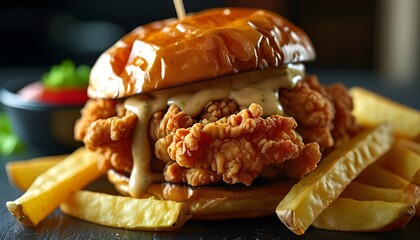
180,10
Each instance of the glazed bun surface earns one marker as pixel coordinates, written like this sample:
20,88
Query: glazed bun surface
204,45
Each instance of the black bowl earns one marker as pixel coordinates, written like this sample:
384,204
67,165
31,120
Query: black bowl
46,128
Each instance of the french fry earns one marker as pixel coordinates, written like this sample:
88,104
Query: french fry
378,176
54,186
414,146
371,109
413,195
417,139
126,212
312,194
401,161
416,178
346,214
364,192
23,173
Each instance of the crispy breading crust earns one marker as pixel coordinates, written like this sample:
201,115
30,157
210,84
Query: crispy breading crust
237,147
312,110
222,144
322,112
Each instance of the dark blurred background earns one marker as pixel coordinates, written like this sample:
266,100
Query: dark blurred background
379,37
39,33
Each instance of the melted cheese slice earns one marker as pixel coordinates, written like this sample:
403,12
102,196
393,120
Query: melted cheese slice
259,87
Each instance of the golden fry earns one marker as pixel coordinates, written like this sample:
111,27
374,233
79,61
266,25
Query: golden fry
378,176
402,161
414,146
312,194
364,192
126,212
346,214
23,173
371,109
54,186
416,178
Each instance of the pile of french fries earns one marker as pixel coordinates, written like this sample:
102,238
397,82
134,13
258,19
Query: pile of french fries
369,184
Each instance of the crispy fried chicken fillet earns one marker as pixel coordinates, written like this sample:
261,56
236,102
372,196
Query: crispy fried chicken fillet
92,111
344,123
224,143
312,110
221,145
105,127
323,113
236,148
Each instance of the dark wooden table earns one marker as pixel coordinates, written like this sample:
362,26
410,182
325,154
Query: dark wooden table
60,226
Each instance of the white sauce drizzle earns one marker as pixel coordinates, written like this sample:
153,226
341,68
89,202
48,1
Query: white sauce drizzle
254,87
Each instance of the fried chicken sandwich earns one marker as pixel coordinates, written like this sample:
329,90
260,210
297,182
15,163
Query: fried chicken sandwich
213,110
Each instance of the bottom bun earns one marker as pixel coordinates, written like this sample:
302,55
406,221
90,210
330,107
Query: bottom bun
217,202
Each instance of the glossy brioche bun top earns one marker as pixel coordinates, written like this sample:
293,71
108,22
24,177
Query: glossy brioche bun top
204,45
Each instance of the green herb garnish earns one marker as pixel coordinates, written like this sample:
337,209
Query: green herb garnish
66,75
9,142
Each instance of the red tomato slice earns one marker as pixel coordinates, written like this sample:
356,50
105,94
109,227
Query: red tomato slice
64,96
